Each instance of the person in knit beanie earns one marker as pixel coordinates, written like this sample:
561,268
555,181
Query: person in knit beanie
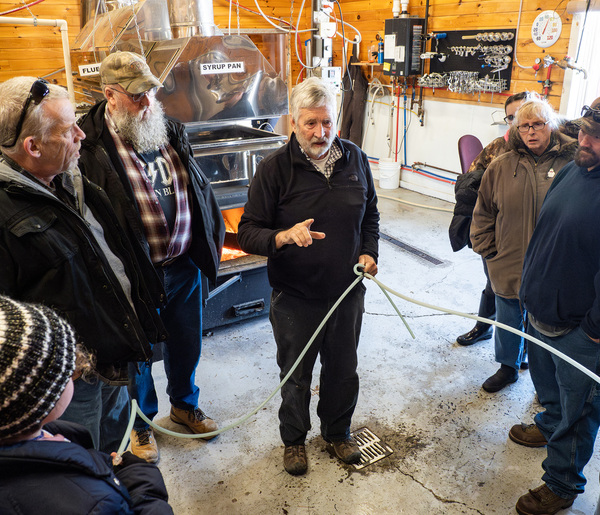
48,462
37,361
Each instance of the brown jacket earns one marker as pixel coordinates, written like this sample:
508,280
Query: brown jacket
508,204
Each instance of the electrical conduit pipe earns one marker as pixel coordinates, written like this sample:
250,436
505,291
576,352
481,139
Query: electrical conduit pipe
64,32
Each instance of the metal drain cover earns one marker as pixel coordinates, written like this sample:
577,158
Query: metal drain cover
371,447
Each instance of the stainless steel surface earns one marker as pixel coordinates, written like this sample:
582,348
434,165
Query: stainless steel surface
229,155
219,78
191,17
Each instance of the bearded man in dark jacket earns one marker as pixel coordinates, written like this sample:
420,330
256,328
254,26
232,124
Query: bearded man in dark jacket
312,209
165,203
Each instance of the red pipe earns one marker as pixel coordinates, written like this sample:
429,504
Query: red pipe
547,82
22,7
397,118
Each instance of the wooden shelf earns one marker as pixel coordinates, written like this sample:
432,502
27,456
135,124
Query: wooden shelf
366,63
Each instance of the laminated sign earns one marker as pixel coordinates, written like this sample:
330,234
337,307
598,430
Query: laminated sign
231,67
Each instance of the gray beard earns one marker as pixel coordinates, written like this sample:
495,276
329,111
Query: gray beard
143,135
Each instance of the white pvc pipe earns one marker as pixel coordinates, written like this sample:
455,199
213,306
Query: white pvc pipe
64,32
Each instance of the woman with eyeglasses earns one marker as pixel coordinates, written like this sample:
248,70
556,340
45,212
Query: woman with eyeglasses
508,204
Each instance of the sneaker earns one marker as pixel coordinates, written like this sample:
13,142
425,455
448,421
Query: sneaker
542,501
143,445
294,460
478,333
506,375
195,420
528,435
347,450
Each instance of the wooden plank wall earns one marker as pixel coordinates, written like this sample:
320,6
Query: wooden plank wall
37,51
368,17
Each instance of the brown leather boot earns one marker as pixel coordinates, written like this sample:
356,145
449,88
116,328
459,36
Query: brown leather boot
195,420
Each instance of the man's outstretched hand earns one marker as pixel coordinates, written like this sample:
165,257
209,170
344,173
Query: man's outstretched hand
300,234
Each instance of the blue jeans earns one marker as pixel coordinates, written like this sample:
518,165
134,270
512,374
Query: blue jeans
294,321
509,346
571,402
103,409
182,317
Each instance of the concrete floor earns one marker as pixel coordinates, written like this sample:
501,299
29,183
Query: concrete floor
422,397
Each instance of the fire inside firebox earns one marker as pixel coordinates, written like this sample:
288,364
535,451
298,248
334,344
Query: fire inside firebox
231,249
242,289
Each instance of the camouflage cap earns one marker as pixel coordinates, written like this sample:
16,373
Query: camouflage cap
590,121
129,71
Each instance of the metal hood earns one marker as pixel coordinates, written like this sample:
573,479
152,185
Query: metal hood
205,78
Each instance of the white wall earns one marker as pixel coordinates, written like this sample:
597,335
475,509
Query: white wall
436,142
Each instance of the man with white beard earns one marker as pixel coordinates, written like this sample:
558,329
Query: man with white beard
163,200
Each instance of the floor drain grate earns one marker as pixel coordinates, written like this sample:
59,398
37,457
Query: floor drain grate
409,248
371,447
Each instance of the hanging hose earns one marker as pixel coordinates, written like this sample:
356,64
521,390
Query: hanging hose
360,275
135,407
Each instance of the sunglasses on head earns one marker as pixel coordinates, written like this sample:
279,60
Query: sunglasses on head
591,111
39,89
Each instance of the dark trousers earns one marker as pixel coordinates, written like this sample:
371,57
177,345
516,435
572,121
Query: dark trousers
294,321
487,303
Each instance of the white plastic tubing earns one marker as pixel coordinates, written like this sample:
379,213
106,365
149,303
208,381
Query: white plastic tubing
64,32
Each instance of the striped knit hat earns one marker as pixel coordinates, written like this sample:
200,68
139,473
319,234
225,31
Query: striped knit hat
37,359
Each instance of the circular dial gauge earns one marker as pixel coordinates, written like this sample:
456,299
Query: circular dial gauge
546,28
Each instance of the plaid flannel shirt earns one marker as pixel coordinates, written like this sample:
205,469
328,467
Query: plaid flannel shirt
335,152
163,245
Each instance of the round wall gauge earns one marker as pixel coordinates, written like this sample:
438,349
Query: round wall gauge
546,28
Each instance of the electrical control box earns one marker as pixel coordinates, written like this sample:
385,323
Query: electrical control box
332,75
403,41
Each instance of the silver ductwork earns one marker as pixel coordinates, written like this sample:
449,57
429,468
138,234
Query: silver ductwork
189,18
205,78
166,19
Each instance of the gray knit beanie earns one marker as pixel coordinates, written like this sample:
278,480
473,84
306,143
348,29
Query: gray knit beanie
37,359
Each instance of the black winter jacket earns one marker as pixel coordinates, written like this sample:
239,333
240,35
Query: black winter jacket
100,162
71,478
48,255
288,189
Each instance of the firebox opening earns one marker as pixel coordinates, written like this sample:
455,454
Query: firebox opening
231,248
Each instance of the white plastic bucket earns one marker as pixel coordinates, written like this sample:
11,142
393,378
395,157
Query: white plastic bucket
389,174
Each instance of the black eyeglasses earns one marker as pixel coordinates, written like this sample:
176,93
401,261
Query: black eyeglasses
39,89
508,119
591,111
537,126
138,96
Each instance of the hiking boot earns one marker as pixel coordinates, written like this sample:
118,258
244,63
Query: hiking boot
528,435
542,501
506,375
347,450
143,445
294,460
195,420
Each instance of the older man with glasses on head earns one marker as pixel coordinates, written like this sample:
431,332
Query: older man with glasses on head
508,204
59,247
165,203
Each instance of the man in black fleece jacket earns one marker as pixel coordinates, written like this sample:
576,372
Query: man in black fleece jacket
312,209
